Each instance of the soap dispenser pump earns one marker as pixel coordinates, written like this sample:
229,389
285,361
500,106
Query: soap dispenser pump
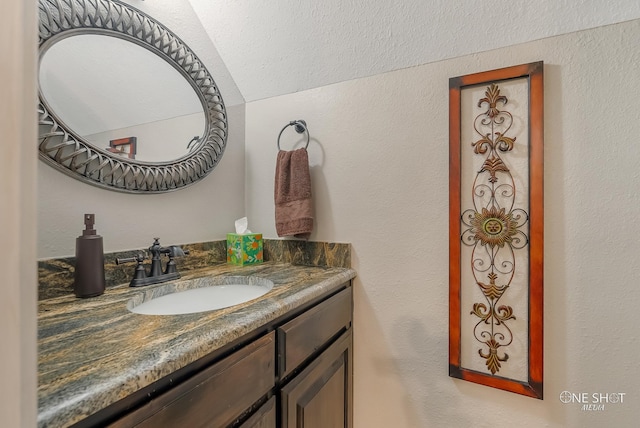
89,275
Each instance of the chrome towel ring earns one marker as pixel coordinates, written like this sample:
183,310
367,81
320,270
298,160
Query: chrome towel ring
300,126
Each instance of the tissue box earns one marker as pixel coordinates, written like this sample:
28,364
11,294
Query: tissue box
244,249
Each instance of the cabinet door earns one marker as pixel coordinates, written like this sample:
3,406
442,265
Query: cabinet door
321,395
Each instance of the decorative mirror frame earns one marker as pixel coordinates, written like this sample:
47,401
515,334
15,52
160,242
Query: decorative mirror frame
62,148
503,266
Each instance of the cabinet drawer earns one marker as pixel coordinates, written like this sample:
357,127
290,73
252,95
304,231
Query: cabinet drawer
301,337
215,396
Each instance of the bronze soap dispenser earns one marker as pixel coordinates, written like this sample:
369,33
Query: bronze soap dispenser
89,275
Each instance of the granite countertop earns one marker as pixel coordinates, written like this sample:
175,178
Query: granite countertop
94,352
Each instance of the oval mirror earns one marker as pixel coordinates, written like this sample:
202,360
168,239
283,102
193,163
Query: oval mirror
124,103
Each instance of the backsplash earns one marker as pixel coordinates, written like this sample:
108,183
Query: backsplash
308,253
55,276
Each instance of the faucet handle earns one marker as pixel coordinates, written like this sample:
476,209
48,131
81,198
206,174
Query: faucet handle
176,251
137,258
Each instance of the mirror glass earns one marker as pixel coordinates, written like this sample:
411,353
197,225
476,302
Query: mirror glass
122,98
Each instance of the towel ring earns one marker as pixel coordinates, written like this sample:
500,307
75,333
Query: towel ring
300,127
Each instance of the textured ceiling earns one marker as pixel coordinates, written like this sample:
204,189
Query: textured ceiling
282,46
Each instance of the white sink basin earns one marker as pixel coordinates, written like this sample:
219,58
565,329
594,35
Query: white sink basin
199,295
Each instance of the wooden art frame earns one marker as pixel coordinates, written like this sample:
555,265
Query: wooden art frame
126,147
496,137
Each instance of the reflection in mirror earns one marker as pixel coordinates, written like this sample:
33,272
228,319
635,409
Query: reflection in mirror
108,90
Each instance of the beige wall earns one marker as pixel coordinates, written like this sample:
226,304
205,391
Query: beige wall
201,212
17,215
379,156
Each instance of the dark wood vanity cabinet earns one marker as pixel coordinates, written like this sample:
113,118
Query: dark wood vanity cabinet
296,373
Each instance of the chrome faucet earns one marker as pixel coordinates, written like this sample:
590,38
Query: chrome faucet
156,274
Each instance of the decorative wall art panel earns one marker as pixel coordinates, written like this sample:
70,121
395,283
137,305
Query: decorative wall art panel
496,228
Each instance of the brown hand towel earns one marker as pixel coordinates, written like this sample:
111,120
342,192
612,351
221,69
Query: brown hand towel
294,208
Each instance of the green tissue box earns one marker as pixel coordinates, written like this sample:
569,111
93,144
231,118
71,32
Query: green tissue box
244,249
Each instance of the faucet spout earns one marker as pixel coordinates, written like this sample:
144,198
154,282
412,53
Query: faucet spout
156,264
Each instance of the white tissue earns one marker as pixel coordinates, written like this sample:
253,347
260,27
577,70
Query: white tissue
242,226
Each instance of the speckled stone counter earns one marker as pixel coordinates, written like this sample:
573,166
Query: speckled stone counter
94,352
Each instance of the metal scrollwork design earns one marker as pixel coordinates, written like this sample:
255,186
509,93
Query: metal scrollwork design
63,149
495,228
